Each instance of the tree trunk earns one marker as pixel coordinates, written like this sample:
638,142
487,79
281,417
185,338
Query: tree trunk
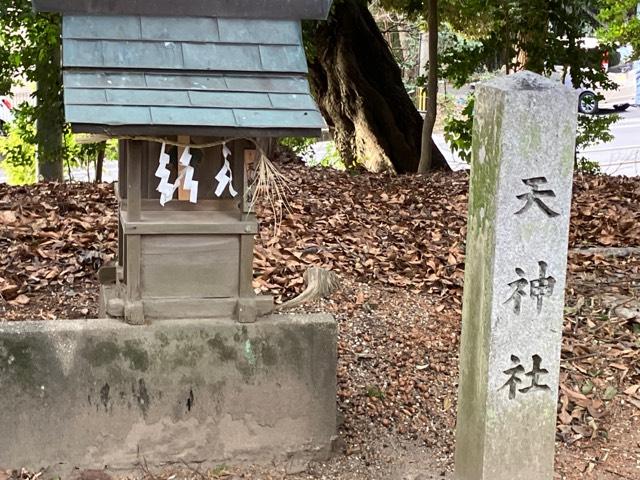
359,89
50,115
424,54
426,156
102,148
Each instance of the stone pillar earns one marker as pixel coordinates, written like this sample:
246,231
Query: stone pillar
519,207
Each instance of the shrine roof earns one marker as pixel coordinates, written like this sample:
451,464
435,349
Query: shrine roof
266,9
191,44
137,74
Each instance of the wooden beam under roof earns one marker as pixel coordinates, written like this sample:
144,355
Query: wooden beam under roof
268,9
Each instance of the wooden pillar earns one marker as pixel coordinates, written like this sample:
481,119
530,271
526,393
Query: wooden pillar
247,311
134,180
250,160
121,191
133,310
246,265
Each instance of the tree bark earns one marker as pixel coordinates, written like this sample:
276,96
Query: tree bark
102,148
50,115
426,156
359,89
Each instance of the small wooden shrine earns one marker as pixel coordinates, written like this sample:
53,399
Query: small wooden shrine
167,76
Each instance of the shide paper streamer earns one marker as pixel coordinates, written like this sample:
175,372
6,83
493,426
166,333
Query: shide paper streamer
167,190
189,183
224,176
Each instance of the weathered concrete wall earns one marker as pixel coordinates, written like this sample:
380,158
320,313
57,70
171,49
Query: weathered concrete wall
101,393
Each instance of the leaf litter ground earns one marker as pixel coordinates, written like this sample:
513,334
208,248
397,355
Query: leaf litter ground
398,245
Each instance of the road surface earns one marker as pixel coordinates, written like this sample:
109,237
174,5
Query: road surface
621,156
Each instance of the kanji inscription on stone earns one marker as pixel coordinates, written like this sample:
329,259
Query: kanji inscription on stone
519,287
542,286
515,377
536,196
516,259
538,288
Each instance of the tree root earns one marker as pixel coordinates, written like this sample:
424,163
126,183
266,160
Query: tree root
320,284
607,251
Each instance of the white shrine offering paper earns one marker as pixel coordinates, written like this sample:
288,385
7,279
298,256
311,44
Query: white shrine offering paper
189,183
225,176
167,190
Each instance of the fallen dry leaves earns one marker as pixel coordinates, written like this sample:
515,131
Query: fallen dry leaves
398,244
605,212
53,238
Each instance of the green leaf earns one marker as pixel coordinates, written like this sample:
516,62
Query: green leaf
374,392
587,387
610,393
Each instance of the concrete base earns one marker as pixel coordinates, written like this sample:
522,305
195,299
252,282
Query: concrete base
98,393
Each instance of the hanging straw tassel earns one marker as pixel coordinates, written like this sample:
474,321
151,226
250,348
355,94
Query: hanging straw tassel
271,185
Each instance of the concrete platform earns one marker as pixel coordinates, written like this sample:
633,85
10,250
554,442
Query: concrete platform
100,393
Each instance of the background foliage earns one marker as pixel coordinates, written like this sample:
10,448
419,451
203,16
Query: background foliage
30,51
621,23
475,36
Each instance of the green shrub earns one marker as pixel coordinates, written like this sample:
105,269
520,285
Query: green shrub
458,129
18,151
301,146
19,174
592,130
331,159
112,152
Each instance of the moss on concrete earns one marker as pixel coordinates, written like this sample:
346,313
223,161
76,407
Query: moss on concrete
102,353
17,356
226,353
136,354
22,359
188,353
106,352
268,353
162,338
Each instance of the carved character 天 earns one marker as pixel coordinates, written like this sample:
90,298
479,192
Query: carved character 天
535,196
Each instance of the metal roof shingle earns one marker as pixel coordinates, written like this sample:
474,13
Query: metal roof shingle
181,72
268,32
107,115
